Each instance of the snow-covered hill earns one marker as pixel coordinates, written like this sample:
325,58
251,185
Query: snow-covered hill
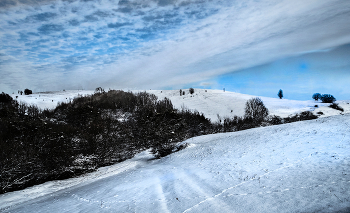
228,104
49,100
296,167
209,102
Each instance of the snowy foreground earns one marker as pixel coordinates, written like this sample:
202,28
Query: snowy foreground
296,167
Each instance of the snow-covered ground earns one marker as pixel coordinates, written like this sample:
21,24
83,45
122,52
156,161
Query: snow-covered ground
209,102
296,167
49,100
228,104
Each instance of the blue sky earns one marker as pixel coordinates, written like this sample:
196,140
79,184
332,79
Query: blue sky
251,46
299,77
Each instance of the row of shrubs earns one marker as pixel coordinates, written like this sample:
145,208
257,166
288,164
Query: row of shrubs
102,129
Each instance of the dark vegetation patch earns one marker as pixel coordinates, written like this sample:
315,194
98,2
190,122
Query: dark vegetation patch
102,129
325,98
87,133
28,92
336,106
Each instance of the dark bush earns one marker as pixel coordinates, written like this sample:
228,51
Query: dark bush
246,123
191,90
327,98
307,115
275,120
162,150
28,92
336,106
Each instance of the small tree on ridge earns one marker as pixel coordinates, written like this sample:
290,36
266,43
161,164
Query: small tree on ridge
280,94
316,96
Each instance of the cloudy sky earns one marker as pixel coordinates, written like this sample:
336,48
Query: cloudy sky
248,46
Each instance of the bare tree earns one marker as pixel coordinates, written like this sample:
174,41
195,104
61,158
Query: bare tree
256,110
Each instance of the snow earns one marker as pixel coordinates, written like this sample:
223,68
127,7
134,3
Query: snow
296,167
209,102
49,100
217,102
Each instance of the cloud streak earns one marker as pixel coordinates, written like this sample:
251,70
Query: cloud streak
51,45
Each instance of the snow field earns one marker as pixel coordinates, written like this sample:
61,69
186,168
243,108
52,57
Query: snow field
296,167
49,100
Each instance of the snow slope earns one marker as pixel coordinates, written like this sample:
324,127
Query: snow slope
49,100
218,102
296,167
209,102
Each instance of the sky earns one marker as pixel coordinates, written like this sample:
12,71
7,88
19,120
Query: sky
299,77
253,46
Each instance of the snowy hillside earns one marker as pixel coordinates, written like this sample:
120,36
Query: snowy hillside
49,100
209,102
296,167
214,102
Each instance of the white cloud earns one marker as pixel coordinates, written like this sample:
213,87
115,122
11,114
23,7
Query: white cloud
165,44
230,41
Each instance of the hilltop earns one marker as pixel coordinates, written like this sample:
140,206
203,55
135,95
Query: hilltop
209,102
